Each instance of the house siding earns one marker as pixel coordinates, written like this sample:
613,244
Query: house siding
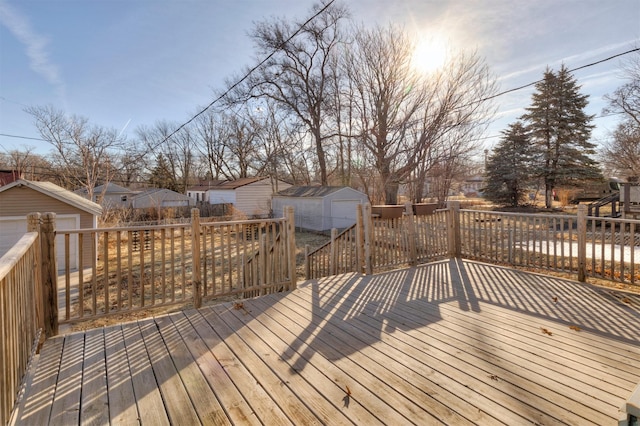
255,199
20,201
222,196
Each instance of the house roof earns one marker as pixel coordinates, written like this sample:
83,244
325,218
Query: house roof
206,186
234,184
54,191
111,189
310,191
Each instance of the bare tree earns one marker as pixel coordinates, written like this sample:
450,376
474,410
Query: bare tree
622,153
297,75
130,164
177,151
276,143
227,142
211,137
24,162
82,152
405,115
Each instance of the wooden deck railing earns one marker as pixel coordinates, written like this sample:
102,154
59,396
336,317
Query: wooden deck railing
604,248
135,268
20,317
375,244
598,247
337,256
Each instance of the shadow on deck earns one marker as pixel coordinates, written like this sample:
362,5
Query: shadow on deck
453,342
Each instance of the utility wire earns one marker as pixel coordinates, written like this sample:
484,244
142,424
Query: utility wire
23,137
248,73
541,80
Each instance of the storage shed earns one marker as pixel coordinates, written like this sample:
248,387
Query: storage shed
320,208
158,198
22,197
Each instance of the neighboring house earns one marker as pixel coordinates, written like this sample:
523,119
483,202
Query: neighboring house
160,198
199,192
22,197
251,196
114,196
8,176
473,186
320,208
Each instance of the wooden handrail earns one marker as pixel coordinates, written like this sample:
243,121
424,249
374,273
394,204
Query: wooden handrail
19,326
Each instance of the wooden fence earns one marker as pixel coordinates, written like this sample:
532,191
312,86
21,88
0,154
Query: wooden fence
374,244
136,268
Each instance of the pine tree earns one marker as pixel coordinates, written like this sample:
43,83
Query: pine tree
508,169
161,176
560,130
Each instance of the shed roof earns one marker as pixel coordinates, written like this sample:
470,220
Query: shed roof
163,192
310,191
54,191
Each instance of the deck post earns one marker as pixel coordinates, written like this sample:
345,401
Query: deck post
291,245
34,221
333,253
359,239
307,263
582,243
368,236
453,228
411,234
263,261
196,272
49,274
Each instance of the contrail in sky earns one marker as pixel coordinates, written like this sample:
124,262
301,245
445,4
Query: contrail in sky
123,129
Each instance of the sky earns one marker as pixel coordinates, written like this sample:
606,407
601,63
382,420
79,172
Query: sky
124,64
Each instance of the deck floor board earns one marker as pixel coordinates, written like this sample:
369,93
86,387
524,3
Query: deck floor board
451,342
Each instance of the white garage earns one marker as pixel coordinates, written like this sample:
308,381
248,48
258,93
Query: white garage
13,228
320,208
22,197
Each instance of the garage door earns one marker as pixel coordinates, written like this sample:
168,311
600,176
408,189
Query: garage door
13,228
343,213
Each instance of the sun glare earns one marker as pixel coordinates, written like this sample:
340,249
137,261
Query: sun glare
430,54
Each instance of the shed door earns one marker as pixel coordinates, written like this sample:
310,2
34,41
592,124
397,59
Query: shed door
343,213
14,227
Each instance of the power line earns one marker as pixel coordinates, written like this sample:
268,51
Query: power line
541,80
23,137
248,73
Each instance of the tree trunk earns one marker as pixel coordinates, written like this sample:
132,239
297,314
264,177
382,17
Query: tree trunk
322,163
548,195
391,193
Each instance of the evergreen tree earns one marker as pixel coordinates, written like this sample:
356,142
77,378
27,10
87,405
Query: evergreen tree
508,169
560,130
161,176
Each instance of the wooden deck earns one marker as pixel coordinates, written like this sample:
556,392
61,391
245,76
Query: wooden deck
452,342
